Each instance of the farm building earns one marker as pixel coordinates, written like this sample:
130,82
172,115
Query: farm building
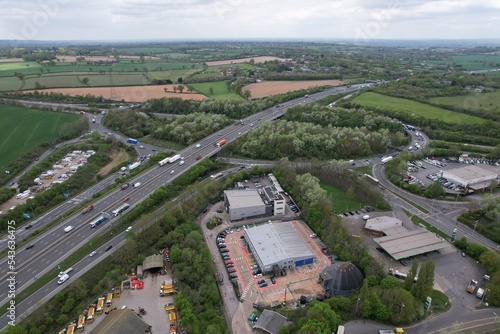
277,246
270,322
470,177
341,278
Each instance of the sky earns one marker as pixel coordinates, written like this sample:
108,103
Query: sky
248,19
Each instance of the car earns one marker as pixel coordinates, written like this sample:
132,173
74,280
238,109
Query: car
28,226
263,285
229,262
126,199
273,280
254,266
198,145
226,257
93,253
137,185
172,171
220,211
257,276
220,134
463,254
128,229
153,150
261,281
224,250
229,265
313,235
30,246
231,270
108,248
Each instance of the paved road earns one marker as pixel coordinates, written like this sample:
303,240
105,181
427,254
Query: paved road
54,245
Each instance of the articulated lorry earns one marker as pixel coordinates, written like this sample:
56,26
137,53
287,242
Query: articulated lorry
221,142
98,221
88,209
386,159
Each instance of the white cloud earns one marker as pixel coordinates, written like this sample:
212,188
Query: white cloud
206,19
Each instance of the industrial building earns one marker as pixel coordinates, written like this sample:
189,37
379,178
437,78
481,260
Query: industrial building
250,203
470,177
277,246
401,243
376,226
243,204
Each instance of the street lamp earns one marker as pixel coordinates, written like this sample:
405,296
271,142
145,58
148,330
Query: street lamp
357,306
495,317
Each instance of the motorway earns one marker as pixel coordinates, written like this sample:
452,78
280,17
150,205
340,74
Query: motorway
54,245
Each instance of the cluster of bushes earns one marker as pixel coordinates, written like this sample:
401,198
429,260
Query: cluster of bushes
187,129
296,140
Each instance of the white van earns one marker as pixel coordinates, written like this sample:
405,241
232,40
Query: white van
137,185
68,229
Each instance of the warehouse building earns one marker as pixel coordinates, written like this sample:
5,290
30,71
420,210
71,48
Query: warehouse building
243,204
277,246
470,177
250,203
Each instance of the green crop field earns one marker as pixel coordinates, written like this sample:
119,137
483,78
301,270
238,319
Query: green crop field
370,99
472,62
341,203
22,128
489,102
220,91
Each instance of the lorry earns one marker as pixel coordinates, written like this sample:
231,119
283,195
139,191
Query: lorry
163,162
134,165
221,142
174,158
124,186
90,315
88,209
397,273
81,324
120,209
100,306
166,290
98,221
472,286
480,293
64,276
132,141
397,330
386,159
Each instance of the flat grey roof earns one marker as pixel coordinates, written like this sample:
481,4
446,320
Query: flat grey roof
471,173
382,223
277,242
243,198
401,243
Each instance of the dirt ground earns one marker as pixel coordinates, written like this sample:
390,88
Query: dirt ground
128,93
11,60
118,158
243,60
270,88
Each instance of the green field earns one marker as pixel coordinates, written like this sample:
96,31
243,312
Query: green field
471,62
489,102
370,99
220,91
22,129
341,203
